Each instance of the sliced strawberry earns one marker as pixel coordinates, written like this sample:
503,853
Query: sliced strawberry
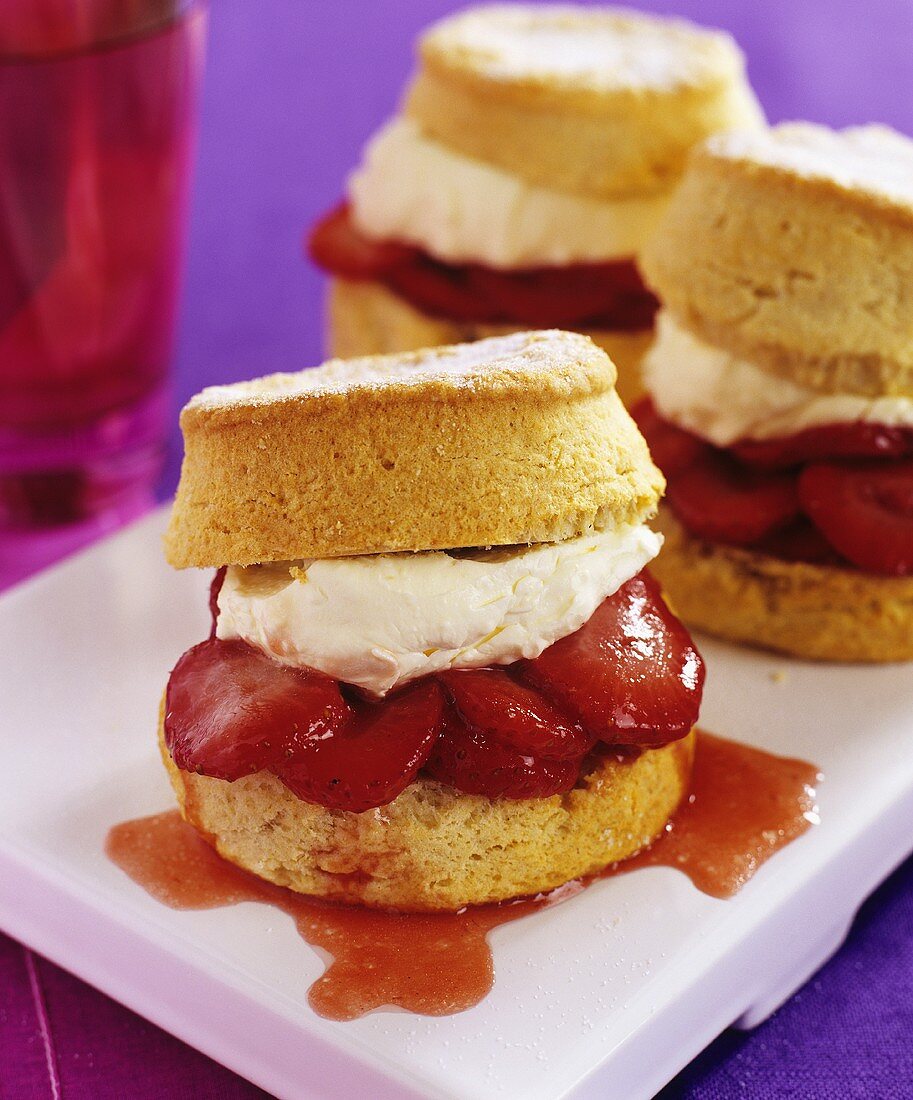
631,675
864,510
671,448
514,715
828,441
464,758
336,245
231,711
373,758
441,290
571,294
608,295
800,541
720,500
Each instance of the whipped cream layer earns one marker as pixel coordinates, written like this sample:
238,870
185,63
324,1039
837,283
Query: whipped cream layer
460,210
724,399
381,620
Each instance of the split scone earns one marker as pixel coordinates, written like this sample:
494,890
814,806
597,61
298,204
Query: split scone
781,385
438,672
534,153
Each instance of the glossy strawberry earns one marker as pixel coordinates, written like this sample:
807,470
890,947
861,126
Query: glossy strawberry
336,245
606,295
800,541
671,448
826,442
631,675
464,758
514,715
721,500
230,710
373,757
865,511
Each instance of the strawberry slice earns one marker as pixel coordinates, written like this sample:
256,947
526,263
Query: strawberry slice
514,715
371,759
570,294
865,511
671,448
853,440
800,541
231,711
631,675
336,245
464,758
720,500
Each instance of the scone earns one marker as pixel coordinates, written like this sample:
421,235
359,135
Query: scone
439,673
534,153
781,386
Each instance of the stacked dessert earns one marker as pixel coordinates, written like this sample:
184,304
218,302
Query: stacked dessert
782,391
438,672
535,152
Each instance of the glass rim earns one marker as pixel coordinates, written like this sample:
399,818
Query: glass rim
183,10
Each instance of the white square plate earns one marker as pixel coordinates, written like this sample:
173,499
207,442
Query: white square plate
607,995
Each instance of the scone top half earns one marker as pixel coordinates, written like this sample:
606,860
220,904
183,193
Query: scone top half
534,152
781,382
507,441
434,568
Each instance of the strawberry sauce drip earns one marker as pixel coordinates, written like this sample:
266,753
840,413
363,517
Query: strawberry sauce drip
607,295
746,805
840,494
629,676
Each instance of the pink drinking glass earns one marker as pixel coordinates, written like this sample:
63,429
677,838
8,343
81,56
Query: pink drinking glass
97,112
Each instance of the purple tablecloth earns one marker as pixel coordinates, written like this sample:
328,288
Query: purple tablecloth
292,90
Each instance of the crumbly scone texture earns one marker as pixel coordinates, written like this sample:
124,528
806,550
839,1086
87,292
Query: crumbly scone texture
794,249
593,101
434,848
822,613
512,440
366,318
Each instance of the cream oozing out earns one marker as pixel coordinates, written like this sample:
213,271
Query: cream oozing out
724,399
379,621
460,210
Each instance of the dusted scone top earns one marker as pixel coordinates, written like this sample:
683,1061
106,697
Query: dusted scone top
794,248
511,440
599,102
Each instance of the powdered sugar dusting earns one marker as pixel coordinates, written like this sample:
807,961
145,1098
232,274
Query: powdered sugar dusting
607,49
464,366
872,159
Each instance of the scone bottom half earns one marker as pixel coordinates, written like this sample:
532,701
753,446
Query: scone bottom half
418,728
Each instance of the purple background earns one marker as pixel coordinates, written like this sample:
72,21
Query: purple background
293,88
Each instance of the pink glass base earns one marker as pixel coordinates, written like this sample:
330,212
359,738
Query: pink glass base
60,490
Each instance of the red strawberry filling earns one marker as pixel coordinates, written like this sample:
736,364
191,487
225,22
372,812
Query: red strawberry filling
589,295
630,676
837,494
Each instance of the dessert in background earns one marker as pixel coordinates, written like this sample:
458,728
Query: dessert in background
534,153
781,387
438,673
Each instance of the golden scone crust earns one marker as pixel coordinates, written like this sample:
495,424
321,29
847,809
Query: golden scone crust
433,847
794,248
365,318
819,612
512,440
593,101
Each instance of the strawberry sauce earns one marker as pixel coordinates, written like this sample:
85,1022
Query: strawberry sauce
840,494
607,295
745,805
